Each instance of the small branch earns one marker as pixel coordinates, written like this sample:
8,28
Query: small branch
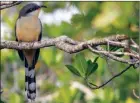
97,87
7,4
108,54
134,44
125,53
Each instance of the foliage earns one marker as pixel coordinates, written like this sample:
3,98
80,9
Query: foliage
83,68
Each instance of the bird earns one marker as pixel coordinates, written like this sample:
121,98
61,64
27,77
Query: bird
28,28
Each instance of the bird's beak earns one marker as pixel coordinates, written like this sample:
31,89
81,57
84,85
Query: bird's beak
43,6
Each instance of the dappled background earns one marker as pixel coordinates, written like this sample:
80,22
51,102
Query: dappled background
80,21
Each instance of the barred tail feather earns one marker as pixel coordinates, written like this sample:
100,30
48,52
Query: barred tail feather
31,84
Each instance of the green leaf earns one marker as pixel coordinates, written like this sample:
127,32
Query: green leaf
91,67
81,64
73,70
89,62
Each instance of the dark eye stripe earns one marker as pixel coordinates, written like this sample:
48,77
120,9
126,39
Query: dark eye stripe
32,9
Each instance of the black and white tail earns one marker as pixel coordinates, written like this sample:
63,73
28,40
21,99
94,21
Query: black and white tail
30,82
30,79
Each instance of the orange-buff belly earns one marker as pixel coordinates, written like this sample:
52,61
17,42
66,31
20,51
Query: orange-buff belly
28,29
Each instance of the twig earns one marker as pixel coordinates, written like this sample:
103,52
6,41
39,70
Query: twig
97,87
108,54
4,4
125,53
134,44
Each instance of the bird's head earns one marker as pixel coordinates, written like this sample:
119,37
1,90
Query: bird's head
31,9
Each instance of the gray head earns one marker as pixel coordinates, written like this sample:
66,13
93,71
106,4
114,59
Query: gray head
30,9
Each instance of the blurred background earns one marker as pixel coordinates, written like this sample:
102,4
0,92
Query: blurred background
80,21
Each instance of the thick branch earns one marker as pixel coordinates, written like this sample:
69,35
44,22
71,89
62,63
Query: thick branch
68,45
64,43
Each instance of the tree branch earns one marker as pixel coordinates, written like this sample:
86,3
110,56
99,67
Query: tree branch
7,4
71,46
110,55
64,43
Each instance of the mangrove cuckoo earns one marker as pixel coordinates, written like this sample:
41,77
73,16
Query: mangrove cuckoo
29,29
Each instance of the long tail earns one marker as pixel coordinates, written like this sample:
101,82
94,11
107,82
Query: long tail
31,92
30,79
